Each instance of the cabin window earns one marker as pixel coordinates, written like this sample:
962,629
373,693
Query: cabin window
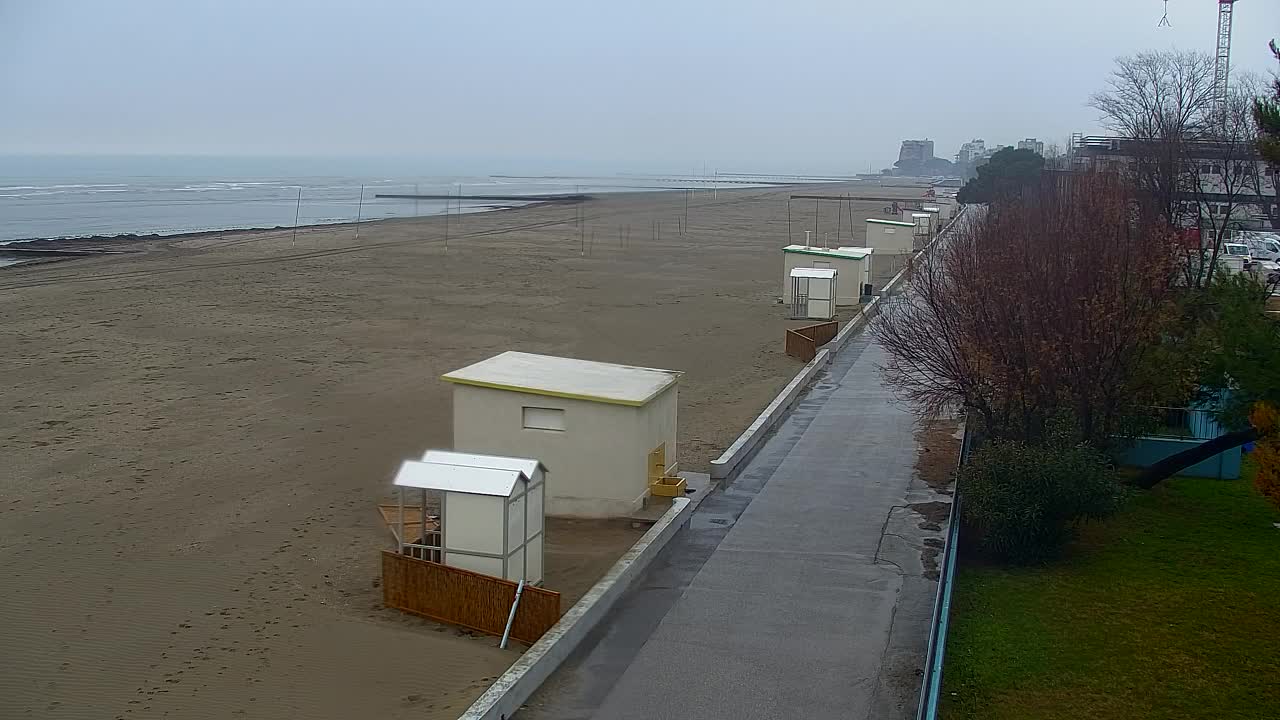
538,418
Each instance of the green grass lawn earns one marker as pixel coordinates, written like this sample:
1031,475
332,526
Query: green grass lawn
1170,609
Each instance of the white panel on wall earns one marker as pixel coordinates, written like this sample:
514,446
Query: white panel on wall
474,522
515,522
535,559
485,565
515,565
535,509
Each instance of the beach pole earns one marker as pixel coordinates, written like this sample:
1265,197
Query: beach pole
839,222
816,205
685,227
788,219
415,211
297,210
359,212
849,202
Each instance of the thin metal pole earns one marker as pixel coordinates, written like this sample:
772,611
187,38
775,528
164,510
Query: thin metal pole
839,222
511,618
788,220
401,538
360,211
415,199
297,210
685,227
849,202
816,203
423,511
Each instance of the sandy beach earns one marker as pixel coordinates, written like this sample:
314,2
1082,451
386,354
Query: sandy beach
196,436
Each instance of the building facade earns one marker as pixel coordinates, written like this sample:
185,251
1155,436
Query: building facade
1033,145
915,151
1226,186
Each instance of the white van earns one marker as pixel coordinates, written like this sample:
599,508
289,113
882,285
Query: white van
1234,256
1263,244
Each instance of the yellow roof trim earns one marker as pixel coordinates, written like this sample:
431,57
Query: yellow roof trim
565,395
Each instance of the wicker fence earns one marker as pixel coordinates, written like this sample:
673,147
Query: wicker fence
461,597
803,342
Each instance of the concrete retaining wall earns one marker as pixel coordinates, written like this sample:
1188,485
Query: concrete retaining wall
727,464
1148,451
519,682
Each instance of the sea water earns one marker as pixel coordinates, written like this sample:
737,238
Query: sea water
80,196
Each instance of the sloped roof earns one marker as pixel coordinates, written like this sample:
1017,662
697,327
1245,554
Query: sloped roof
566,378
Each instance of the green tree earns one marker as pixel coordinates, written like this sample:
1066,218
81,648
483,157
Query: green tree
1004,176
1240,350
1266,112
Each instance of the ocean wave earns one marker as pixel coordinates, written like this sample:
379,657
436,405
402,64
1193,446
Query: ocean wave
62,187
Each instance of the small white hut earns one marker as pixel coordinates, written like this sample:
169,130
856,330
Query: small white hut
598,426
890,237
813,293
491,513
923,223
852,265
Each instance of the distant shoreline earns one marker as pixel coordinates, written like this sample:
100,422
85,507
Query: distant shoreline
128,238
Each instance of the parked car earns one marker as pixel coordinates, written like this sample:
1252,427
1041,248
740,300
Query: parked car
1262,245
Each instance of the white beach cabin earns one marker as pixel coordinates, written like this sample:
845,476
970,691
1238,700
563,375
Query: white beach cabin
598,427
813,293
491,512
890,237
923,223
852,266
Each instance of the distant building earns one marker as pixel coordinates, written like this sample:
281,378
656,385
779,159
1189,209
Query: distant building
915,152
1033,145
971,151
1249,207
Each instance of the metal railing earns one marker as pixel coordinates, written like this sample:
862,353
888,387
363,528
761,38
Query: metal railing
1175,422
931,686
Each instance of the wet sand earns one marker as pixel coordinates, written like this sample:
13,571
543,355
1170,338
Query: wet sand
196,437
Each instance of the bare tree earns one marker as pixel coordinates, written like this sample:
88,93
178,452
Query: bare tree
1223,179
1052,304
1161,100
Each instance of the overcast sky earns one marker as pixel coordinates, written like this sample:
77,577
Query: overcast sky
627,85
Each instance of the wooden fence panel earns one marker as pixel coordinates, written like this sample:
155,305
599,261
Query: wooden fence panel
803,342
461,597
799,346
821,333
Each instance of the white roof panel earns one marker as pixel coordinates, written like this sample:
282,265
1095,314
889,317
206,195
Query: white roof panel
566,378
858,251
446,457
914,215
826,273
457,478
850,253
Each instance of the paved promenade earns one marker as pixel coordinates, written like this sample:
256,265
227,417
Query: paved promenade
797,592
